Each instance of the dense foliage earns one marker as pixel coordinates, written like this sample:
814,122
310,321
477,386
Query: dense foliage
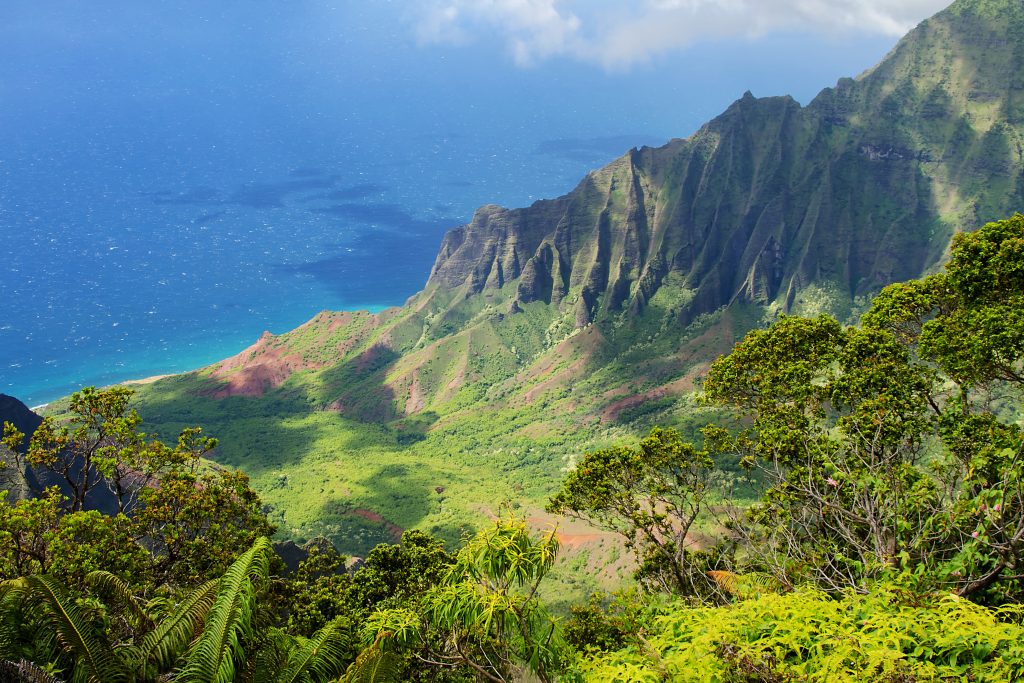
888,447
888,635
887,541
889,452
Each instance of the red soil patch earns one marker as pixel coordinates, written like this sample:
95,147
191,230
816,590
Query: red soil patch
267,364
458,380
571,533
683,385
573,541
416,400
338,320
580,346
557,379
717,339
369,515
256,370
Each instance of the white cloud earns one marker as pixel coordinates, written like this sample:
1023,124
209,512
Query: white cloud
617,34
532,29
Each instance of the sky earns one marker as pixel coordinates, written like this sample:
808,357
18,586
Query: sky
177,176
616,35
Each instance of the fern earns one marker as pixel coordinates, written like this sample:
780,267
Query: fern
173,634
230,621
374,665
323,655
12,595
116,591
272,657
94,659
749,585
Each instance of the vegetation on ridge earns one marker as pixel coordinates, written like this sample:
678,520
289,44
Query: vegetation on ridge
887,541
573,324
855,484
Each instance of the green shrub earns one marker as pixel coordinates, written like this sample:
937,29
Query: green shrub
888,635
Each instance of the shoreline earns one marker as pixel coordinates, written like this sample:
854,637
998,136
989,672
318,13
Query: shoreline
49,396
128,382
150,379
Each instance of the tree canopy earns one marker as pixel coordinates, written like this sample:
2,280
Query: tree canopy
886,537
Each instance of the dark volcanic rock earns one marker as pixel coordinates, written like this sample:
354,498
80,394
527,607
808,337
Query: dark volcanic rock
19,483
22,484
18,414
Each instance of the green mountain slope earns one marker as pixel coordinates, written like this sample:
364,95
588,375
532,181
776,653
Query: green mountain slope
575,322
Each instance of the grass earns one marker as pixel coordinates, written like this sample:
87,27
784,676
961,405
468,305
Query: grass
507,405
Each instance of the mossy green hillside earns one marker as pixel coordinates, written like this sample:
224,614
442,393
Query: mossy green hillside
578,321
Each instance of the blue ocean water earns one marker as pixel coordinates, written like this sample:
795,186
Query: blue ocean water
177,177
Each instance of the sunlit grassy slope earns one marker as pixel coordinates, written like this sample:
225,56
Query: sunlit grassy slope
579,322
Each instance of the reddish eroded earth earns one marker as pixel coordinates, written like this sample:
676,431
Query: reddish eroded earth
369,515
683,385
256,370
268,363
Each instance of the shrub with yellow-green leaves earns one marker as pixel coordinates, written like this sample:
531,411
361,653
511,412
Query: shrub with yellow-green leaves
889,635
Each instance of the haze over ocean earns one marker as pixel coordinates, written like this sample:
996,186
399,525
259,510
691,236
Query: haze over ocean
177,177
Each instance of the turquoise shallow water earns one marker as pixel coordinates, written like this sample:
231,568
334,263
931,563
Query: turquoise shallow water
178,177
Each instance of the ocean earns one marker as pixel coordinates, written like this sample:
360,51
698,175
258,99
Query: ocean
175,179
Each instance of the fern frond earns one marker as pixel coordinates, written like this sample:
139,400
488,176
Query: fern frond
94,659
747,585
322,655
116,591
163,645
726,580
374,665
12,597
213,657
272,657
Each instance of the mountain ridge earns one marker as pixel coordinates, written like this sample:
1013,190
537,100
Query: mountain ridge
887,161
579,320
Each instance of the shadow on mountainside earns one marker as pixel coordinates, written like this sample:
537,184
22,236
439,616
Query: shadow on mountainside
342,410
398,496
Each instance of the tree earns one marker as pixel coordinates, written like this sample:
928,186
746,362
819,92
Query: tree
651,495
394,573
882,447
194,523
968,324
100,444
318,593
485,615
36,537
12,461
840,421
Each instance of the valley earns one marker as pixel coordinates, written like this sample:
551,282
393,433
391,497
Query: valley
578,322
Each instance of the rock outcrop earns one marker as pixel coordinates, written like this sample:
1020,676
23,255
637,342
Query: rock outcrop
861,188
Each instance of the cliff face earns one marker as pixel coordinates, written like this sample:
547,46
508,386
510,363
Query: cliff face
26,482
861,188
19,483
578,322
769,207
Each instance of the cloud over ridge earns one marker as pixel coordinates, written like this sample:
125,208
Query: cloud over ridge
617,35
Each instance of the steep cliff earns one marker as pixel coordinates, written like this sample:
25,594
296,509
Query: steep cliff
862,187
577,321
12,479
771,205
